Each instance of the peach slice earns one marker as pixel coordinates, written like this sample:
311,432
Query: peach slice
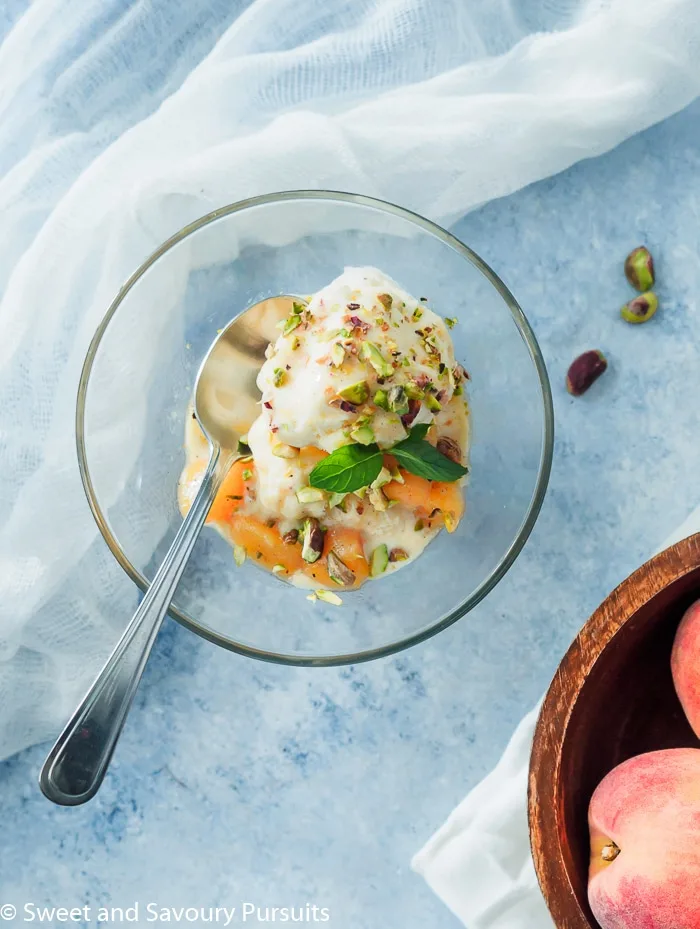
423,496
231,494
347,545
263,544
644,821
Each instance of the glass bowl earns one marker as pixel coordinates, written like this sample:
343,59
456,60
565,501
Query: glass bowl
138,377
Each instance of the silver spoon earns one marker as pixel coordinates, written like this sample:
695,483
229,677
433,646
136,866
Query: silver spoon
225,392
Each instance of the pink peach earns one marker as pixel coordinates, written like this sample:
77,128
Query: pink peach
644,821
685,665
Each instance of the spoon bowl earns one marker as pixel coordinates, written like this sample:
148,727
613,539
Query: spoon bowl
226,396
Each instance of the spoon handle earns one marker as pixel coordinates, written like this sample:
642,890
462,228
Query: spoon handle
76,765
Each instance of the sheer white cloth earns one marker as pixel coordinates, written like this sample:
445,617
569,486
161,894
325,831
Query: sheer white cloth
121,120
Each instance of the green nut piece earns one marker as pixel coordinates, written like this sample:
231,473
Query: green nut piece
413,391
363,435
640,309
381,399
310,495
338,571
311,541
397,400
337,354
432,402
639,269
378,561
355,393
369,352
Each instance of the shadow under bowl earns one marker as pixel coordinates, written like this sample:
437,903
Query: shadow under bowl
612,698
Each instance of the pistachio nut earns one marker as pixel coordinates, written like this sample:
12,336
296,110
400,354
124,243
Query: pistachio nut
584,370
639,269
338,571
641,309
312,540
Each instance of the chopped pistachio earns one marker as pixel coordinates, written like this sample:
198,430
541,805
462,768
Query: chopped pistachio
397,400
384,477
369,352
413,391
381,399
405,362
280,377
279,569
329,597
419,525
378,561
450,521
310,495
282,450
450,321
247,474
432,402
239,554
377,499
396,474
458,391
312,541
291,323
338,571
298,308
450,448
385,300
243,448
355,393
363,435
398,554
296,342
337,354
336,499
417,313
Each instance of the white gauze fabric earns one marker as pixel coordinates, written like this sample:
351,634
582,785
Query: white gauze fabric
122,120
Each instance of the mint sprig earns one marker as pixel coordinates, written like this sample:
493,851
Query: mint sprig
421,458
348,468
354,466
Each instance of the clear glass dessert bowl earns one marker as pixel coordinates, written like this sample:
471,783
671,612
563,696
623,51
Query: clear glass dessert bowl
138,376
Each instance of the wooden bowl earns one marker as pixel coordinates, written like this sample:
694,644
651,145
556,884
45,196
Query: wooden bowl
611,698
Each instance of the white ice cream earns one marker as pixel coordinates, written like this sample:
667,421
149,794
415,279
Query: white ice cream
343,370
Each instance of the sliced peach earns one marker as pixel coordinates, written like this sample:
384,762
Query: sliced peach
347,545
449,499
231,494
263,544
414,493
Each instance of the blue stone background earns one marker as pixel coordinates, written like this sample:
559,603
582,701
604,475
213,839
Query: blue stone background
240,781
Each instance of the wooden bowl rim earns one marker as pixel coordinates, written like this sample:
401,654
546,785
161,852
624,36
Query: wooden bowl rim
551,730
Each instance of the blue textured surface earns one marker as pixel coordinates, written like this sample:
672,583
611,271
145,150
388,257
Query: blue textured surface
237,781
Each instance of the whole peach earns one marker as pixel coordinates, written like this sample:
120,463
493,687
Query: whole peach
685,665
644,821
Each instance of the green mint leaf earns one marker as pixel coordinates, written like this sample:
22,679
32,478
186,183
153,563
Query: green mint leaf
347,469
421,458
419,432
